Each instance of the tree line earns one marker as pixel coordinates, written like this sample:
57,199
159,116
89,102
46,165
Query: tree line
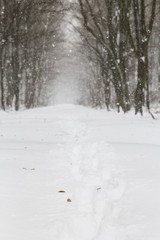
28,31
117,36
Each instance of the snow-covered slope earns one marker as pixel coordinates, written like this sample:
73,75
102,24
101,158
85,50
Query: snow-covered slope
108,166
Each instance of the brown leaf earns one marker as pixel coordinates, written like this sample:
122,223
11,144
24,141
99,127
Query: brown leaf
61,191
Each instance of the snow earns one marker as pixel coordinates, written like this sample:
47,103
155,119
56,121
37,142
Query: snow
107,164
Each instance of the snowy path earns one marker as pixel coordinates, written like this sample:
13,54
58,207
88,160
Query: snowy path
107,164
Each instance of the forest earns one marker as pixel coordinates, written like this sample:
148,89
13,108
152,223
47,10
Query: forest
117,44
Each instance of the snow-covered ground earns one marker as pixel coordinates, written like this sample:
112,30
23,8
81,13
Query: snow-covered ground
107,164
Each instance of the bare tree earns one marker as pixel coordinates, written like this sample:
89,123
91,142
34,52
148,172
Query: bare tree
140,10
